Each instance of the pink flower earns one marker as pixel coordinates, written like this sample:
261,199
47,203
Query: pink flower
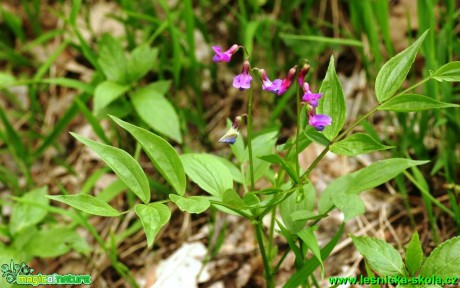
243,80
309,97
224,56
319,121
278,86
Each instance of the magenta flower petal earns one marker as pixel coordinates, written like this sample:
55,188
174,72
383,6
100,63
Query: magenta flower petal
312,98
319,121
242,81
224,56
273,87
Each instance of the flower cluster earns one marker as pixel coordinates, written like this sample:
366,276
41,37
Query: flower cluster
278,87
319,121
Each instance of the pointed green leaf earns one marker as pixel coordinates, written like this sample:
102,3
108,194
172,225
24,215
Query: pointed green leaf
208,172
414,102
107,92
356,144
231,199
161,153
54,242
414,254
251,199
298,201
308,237
369,177
444,260
394,72
381,256
157,112
112,59
27,214
311,264
449,72
333,102
123,164
193,204
276,159
153,216
142,60
87,203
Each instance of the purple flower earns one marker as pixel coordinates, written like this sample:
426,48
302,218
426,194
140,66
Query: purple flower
243,80
319,121
278,86
309,97
224,56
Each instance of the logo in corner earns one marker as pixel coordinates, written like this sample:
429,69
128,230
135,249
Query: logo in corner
12,271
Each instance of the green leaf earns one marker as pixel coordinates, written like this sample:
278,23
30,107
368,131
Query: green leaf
356,144
107,92
142,60
88,204
54,242
394,72
157,112
24,214
71,83
276,159
381,256
298,201
123,164
414,102
380,172
194,204
449,72
444,260
236,173
153,216
340,191
231,199
414,254
308,237
209,173
251,199
6,79
112,59
161,86
261,145
309,265
161,153
333,102
316,136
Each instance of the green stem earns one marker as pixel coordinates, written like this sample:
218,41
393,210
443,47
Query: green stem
297,132
267,270
271,231
251,160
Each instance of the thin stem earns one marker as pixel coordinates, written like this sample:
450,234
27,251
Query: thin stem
283,257
251,160
297,166
267,270
271,232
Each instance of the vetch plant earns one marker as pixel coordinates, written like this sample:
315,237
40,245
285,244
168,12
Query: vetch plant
441,267
231,185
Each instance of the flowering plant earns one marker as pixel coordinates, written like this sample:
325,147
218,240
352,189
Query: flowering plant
292,193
